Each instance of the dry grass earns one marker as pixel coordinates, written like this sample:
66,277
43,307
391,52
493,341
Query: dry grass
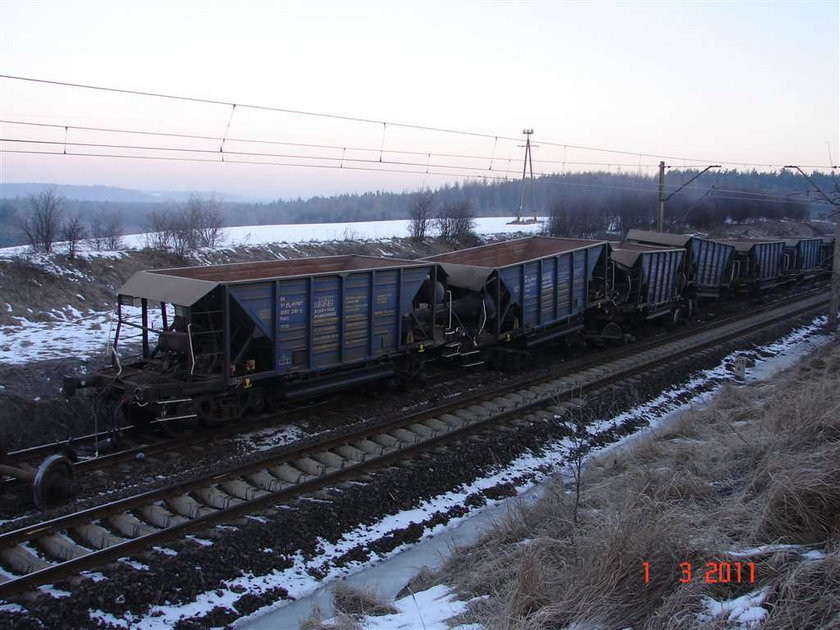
807,596
760,466
340,621
357,601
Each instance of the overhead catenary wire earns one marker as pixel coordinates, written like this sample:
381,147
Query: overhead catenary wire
166,134
358,119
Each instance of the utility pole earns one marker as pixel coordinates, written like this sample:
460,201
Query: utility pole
834,296
528,161
660,219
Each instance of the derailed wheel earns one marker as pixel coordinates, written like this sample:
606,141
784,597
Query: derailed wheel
54,483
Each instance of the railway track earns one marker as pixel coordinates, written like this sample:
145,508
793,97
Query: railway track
48,551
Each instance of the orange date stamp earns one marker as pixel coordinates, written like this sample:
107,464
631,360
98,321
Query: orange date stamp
710,573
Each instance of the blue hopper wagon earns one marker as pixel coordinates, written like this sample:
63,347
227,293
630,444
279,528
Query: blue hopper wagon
805,256
646,280
279,329
708,263
758,264
535,288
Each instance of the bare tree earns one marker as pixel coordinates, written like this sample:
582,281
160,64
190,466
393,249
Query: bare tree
421,215
159,231
577,218
112,229
42,224
456,223
580,445
205,219
97,234
198,223
71,233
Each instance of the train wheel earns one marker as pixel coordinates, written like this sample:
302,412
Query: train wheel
55,482
213,412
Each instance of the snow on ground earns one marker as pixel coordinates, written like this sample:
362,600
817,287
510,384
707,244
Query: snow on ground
742,612
298,581
301,233
427,609
270,437
85,336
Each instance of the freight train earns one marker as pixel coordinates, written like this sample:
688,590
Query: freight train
219,342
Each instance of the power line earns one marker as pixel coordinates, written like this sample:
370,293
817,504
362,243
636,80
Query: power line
384,123
337,147
99,145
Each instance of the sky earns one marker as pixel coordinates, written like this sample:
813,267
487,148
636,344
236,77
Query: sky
692,83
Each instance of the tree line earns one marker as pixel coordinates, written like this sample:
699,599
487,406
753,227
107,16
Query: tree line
577,204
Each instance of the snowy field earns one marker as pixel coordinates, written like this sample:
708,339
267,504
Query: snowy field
314,232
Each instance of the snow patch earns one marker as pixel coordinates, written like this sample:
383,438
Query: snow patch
427,609
268,438
12,608
139,566
745,611
50,590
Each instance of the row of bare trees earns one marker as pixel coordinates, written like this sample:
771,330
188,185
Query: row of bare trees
453,222
197,224
44,225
